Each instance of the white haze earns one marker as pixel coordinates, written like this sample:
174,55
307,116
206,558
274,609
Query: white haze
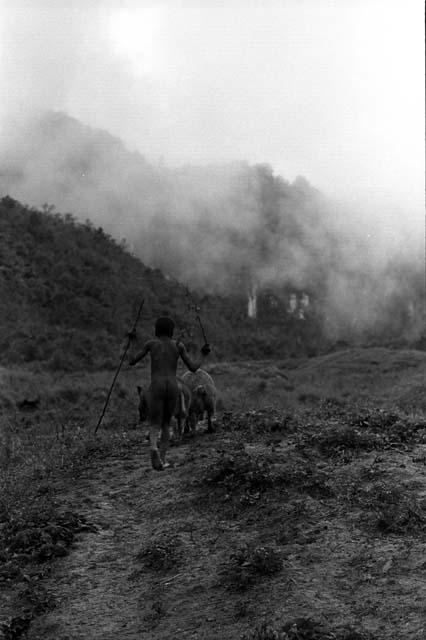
221,228
329,90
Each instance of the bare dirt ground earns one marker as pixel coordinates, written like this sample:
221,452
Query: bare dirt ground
299,524
333,571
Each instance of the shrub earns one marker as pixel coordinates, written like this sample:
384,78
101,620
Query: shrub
332,407
38,532
392,427
248,564
308,397
302,629
377,419
305,477
342,438
238,471
161,553
259,421
396,511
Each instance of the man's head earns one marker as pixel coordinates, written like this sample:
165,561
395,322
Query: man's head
164,327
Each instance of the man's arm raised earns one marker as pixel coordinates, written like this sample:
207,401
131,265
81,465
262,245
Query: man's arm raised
141,354
193,365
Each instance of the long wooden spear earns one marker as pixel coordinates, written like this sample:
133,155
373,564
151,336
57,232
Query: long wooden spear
121,362
197,312
202,328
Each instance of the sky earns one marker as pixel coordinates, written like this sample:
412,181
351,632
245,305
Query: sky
329,89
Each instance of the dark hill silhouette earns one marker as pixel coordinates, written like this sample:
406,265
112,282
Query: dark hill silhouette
69,292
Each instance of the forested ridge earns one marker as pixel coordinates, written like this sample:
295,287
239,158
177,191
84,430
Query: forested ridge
70,292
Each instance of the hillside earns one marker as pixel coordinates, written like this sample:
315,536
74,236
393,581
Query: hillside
69,292
235,230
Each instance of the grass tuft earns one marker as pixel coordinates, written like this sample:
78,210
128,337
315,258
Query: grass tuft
302,629
394,510
248,564
238,472
338,439
162,553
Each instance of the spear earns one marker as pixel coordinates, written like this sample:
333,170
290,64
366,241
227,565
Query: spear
202,328
121,362
197,311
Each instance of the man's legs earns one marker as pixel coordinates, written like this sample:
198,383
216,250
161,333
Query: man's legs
171,397
155,453
163,396
155,422
164,441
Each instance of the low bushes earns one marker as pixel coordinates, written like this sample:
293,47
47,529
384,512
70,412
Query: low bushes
161,553
302,629
248,565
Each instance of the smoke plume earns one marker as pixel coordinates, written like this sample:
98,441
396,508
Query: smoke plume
224,229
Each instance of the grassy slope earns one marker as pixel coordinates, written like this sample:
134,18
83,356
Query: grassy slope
376,376
312,507
69,293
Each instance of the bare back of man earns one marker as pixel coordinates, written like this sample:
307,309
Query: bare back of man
163,395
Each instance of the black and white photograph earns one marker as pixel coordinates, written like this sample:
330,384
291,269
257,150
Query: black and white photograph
212,320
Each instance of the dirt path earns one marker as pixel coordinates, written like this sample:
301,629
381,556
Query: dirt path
93,587
333,570
102,590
